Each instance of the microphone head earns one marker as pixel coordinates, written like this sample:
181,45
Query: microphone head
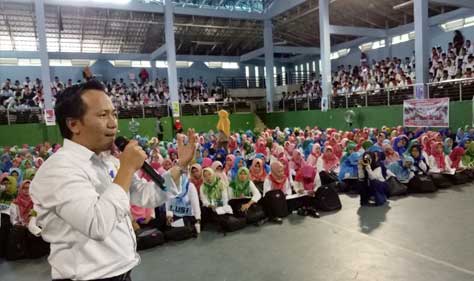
121,142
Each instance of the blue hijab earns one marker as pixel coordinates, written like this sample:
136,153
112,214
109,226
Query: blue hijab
401,149
399,170
19,180
6,163
235,169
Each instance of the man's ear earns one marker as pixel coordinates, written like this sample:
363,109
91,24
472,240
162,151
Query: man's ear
73,125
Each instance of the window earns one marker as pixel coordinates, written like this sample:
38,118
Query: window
247,75
29,62
5,43
161,64
296,72
223,65
257,78
314,66
121,63
308,71
283,75
403,38
457,24
230,65
339,54
141,63
9,61
179,64
372,45
275,76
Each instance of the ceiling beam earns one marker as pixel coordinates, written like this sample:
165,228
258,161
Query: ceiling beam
280,6
251,55
154,8
357,31
296,50
456,3
158,52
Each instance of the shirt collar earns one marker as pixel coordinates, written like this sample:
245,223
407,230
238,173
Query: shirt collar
80,151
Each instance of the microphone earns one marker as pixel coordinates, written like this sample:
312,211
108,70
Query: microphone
121,142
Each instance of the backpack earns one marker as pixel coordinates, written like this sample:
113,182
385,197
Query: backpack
149,238
327,198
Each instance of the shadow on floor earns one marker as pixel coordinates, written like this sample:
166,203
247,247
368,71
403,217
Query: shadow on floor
370,218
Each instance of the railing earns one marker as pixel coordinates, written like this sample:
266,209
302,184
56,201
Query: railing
456,90
287,78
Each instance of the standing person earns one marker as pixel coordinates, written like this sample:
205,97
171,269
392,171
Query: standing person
82,194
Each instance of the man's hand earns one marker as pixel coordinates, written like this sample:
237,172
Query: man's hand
169,220
186,151
131,159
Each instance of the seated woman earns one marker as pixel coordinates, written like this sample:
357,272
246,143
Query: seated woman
402,170
196,176
229,163
8,189
23,218
244,196
348,173
185,206
297,161
440,168
468,158
400,144
314,156
238,163
214,197
373,181
328,166
420,164
219,170
305,184
391,156
278,185
462,174
258,173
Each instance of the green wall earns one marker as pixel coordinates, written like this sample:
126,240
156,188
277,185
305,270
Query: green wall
37,133
460,114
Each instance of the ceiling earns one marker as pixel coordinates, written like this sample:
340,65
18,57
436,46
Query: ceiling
94,30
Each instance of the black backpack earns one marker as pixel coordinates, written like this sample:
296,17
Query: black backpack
275,204
327,198
230,223
442,180
421,184
396,188
460,178
179,233
149,238
17,243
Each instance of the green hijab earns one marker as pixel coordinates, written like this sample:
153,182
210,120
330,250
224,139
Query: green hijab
241,188
468,158
214,190
10,193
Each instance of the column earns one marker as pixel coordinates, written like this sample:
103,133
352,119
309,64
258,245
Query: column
269,63
421,47
171,56
325,47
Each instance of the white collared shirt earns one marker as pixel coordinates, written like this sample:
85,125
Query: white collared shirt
85,216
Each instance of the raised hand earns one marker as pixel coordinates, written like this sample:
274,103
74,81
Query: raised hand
186,151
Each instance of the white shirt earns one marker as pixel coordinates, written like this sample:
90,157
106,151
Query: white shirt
85,216
253,190
268,186
193,198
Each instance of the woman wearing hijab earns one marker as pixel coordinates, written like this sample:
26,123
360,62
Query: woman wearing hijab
219,170
17,174
391,155
420,164
277,182
468,157
258,173
373,180
400,144
213,195
8,188
328,166
229,163
297,161
438,161
402,169
305,185
185,205
349,166
21,208
238,163
244,196
196,176
314,156
448,146
463,174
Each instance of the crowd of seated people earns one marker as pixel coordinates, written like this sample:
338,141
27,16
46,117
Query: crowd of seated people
238,179
29,93
454,62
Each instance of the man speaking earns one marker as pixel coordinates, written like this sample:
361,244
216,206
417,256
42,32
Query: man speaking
82,193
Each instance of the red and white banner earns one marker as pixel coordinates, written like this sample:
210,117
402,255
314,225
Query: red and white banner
426,113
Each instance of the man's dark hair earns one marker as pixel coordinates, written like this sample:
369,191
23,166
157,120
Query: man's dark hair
69,104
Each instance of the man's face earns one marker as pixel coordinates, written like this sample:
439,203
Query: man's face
97,128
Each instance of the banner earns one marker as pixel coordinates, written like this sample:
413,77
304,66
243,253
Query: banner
426,113
49,117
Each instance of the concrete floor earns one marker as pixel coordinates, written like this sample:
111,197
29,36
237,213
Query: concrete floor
425,237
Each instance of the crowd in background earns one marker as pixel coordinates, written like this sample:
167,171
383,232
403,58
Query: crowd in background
453,62
250,168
